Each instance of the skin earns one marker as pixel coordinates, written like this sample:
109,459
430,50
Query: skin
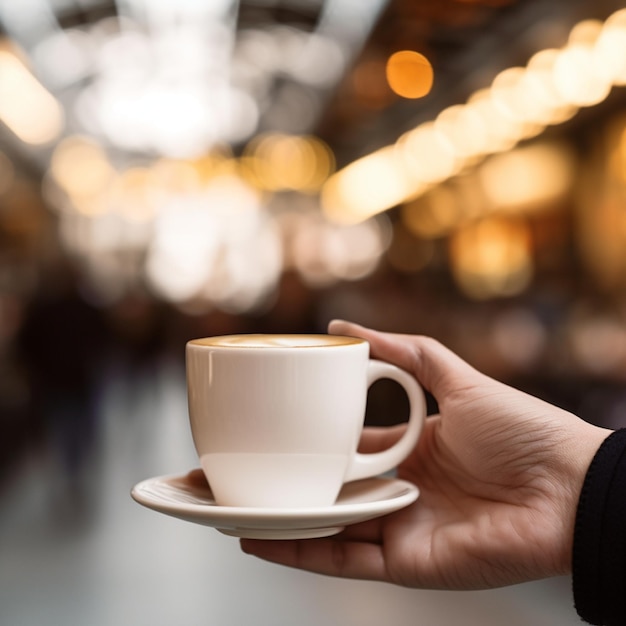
499,473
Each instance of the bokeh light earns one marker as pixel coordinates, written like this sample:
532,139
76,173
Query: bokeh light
518,105
289,162
528,177
409,74
81,168
610,49
492,257
26,107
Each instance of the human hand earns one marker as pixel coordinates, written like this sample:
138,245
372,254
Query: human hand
499,473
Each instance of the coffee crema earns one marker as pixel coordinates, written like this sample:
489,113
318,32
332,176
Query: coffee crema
276,341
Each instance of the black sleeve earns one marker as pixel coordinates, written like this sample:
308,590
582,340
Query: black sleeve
599,552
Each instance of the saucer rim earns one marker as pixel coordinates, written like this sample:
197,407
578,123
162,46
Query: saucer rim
408,494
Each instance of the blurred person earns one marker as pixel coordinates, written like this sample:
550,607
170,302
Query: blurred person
60,345
138,329
512,489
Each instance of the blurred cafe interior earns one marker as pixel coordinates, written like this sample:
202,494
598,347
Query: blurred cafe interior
171,169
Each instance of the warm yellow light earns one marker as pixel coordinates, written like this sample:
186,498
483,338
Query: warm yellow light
80,166
250,169
503,131
26,107
518,105
429,155
130,196
539,81
576,77
492,258
537,101
324,163
367,186
585,33
92,207
289,162
610,49
434,215
529,177
504,88
295,163
464,129
510,93
172,177
409,74
323,252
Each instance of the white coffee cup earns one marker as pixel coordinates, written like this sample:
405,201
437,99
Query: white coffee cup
276,419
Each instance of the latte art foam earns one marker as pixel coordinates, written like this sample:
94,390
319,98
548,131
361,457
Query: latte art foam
276,341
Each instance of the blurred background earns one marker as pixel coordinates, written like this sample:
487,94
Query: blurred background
175,169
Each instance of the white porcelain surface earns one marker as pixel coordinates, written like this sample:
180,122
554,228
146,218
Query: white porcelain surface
192,501
276,419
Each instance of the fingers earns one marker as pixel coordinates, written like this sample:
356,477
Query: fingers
332,557
196,478
438,369
378,438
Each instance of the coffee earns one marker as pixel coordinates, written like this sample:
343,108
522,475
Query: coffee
276,341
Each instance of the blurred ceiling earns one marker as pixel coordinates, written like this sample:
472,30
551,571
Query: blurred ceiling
203,147
202,153
176,78
468,43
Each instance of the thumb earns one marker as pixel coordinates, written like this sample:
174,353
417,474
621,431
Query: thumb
436,368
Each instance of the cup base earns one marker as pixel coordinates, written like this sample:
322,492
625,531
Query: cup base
281,480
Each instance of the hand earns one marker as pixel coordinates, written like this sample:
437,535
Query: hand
499,474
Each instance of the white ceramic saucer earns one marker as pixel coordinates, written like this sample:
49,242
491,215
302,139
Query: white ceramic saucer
190,499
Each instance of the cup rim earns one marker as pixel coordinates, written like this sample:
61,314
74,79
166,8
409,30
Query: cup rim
308,341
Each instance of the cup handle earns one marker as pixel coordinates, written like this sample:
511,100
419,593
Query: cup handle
366,465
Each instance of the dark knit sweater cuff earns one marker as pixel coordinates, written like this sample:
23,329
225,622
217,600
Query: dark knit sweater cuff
599,552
